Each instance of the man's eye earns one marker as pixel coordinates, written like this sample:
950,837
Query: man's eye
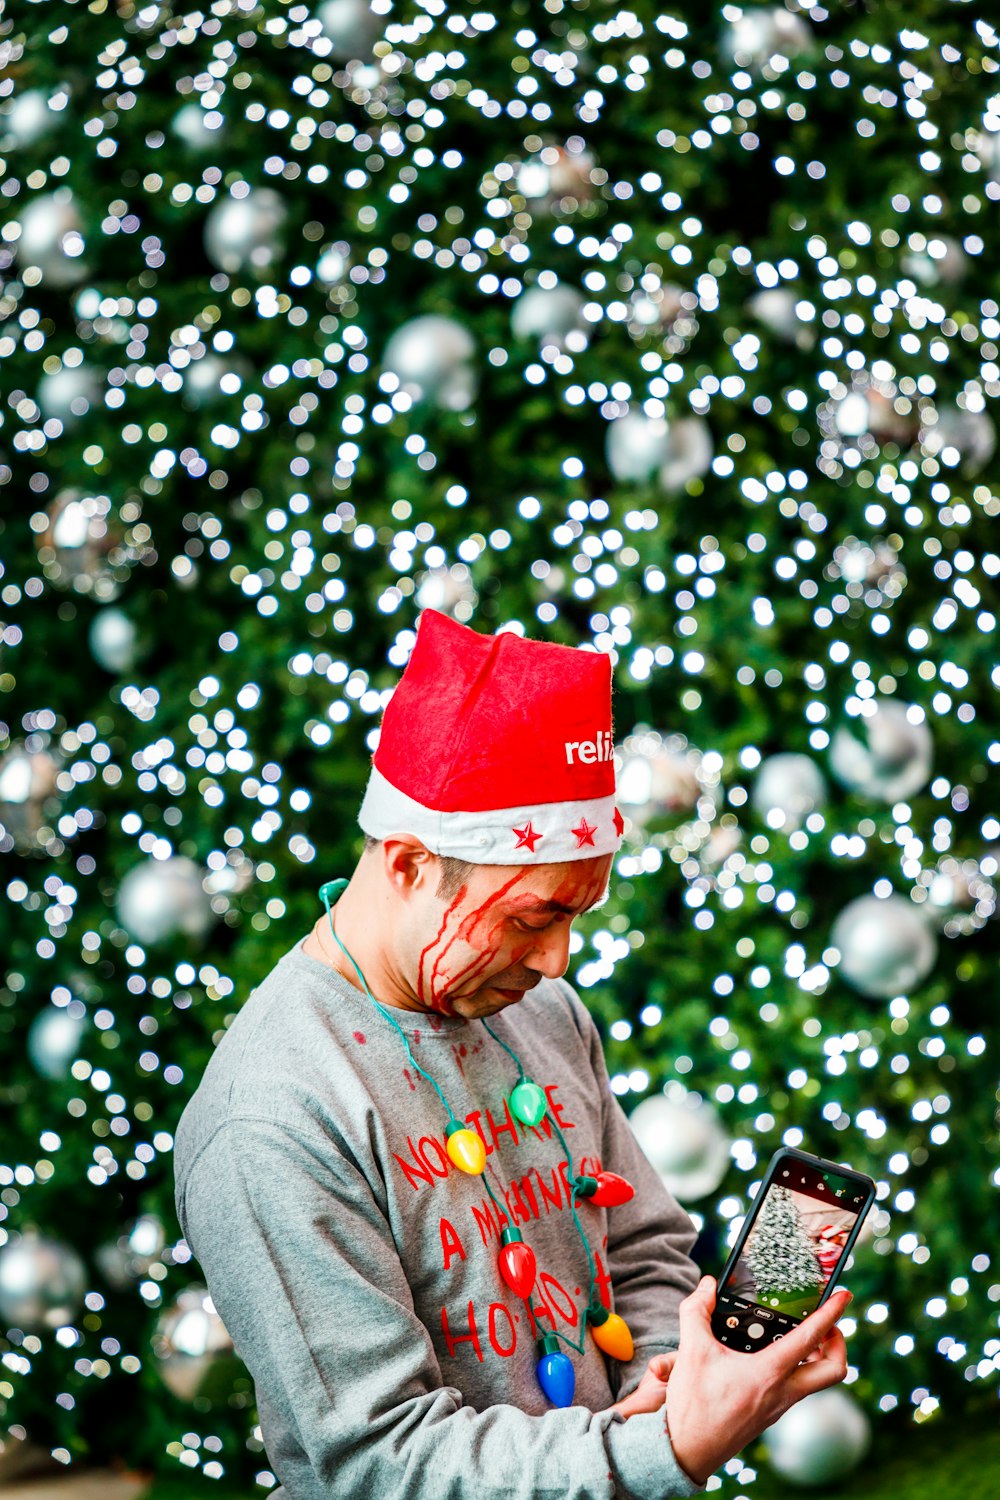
530,926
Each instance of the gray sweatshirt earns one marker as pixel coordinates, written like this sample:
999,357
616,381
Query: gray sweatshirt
356,1269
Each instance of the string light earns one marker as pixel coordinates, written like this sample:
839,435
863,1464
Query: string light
516,1259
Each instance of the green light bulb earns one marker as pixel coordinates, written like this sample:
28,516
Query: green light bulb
528,1102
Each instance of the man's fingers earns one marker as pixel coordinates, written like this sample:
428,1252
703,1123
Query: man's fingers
662,1364
810,1333
829,1367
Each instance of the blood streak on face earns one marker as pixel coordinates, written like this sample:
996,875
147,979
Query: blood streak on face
436,940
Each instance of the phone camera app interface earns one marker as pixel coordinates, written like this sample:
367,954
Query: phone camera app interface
797,1240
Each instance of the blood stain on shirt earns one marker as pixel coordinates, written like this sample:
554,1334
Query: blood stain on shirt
406,1075
359,1036
416,1038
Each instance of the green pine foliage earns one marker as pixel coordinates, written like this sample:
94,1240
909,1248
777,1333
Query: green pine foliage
271,534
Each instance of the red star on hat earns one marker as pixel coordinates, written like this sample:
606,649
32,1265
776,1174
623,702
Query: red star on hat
527,838
585,833
619,822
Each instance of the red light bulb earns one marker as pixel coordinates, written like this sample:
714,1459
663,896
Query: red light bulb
611,1190
517,1263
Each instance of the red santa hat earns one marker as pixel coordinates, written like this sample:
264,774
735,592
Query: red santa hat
497,750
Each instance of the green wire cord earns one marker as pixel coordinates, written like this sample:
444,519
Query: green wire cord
336,887
572,1204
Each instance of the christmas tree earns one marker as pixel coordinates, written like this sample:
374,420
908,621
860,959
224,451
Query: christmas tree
668,331
780,1254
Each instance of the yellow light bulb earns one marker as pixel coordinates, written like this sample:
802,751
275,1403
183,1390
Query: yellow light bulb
467,1151
614,1338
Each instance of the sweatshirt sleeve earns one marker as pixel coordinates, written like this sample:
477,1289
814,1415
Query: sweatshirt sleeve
303,1270
649,1237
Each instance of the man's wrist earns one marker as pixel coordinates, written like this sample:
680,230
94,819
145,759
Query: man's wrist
689,1470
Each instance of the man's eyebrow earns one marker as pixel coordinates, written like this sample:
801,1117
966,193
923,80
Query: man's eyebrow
561,907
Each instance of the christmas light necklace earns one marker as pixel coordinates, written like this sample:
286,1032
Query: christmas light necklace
516,1260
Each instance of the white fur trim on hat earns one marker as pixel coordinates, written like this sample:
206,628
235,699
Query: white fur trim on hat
544,833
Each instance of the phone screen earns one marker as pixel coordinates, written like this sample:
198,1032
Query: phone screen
797,1240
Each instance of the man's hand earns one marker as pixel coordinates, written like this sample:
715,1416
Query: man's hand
652,1388
721,1399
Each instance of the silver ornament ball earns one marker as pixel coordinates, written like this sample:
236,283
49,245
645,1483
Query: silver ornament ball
688,454
890,754
886,946
775,307
246,233
160,899
556,174
195,1358
74,548
987,148
431,358
27,782
658,778
760,34
124,1260
965,439
942,262
42,1282
28,118
69,393
53,1041
190,126
552,315
212,379
52,238
683,1139
962,894
788,787
351,27
635,446
820,1439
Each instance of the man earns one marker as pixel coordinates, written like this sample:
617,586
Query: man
354,1266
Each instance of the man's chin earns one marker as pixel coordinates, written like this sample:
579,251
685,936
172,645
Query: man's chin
487,999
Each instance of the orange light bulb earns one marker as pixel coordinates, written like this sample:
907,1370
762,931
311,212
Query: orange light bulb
611,1333
614,1338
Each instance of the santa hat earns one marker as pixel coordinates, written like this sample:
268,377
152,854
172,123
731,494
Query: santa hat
497,750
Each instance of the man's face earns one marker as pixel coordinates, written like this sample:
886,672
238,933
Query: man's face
505,929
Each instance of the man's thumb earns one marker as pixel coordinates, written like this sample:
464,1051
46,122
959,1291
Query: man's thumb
697,1307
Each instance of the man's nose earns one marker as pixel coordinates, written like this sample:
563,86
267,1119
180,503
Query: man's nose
550,954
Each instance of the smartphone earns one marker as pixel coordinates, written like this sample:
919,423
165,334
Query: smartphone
792,1248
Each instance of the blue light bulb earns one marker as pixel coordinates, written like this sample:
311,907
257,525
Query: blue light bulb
555,1372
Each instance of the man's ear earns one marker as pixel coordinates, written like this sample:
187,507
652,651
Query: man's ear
409,866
